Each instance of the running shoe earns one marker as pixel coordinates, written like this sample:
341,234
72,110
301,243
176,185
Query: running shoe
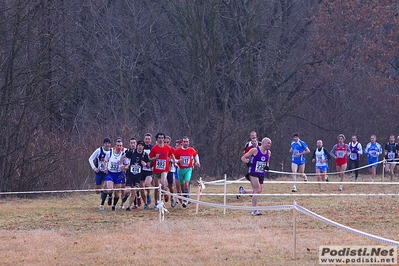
128,209
149,199
172,202
155,207
340,188
101,207
294,189
327,178
355,179
145,206
241,191
113,208
109,200
135,207
121,207
256,213
305,178
184,204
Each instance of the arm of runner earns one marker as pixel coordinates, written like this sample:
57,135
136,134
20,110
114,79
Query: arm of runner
246,157
314,155
359,149
332,152
93,156
197,162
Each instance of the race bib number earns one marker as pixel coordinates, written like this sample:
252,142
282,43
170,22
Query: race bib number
373,153
135,169
160,165
186,160
319,158
391,155
340,154
260,166
115,167
101,166
353,156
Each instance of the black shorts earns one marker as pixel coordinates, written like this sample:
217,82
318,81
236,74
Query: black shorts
171,177
260,177
133,180
144,174
124,178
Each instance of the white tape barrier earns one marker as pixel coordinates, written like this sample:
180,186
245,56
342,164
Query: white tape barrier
72,191
289,207
338,194
223,206
221,181
314,182
346,228
329,173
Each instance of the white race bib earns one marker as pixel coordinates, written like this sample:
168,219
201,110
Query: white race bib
186,160
115,167
340,154
160,164
135,169
373,153
260,166
101,166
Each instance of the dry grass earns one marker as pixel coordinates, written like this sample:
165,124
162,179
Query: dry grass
70,230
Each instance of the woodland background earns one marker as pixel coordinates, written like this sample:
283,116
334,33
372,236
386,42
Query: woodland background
75,71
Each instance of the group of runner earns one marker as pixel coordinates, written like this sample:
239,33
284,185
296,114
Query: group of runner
122,172
119,171
346,156
257,154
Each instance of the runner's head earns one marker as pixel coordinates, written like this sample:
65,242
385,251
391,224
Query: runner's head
147,138
319,143
178,143
253,134
254,142
160,137
140,146
341,137
133,143
186,142
295,137
266,142
167,140
107,143
118,146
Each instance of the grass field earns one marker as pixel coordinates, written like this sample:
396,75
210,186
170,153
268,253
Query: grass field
68,229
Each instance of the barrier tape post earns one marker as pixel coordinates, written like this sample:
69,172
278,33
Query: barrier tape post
225,192
198,194
160,198
383,170
293,233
